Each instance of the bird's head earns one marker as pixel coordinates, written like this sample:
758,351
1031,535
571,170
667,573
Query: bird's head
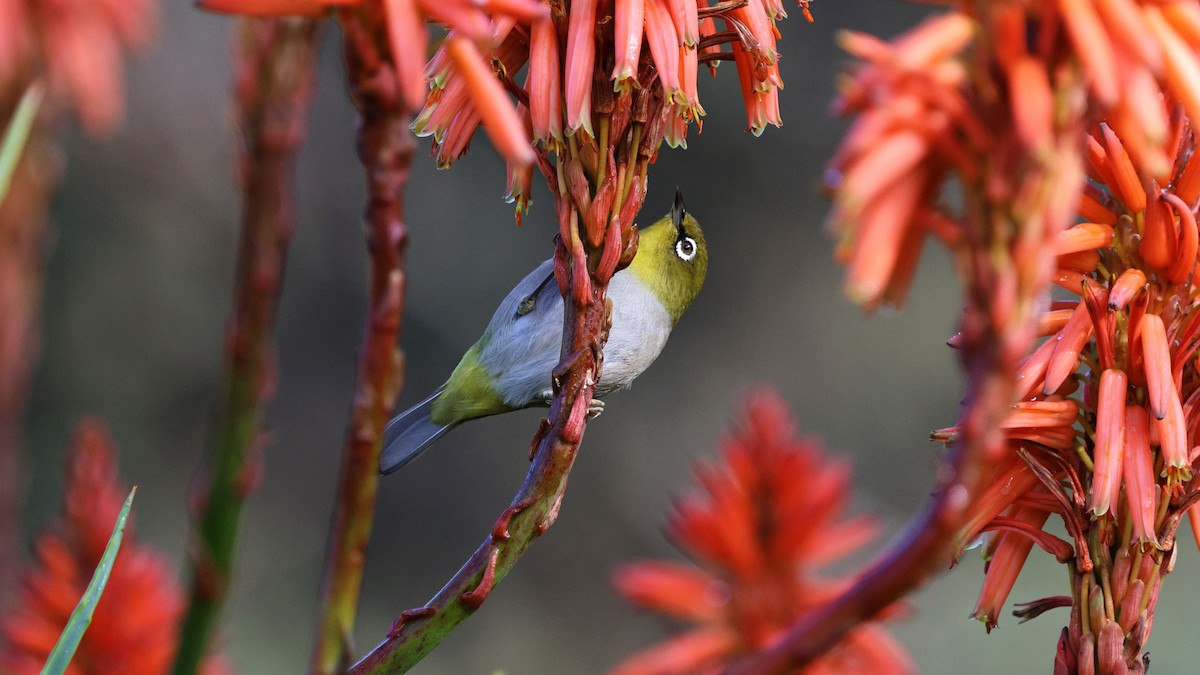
672,259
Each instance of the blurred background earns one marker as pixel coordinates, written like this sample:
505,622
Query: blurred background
139,287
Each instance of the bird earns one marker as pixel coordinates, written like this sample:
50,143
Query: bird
509,367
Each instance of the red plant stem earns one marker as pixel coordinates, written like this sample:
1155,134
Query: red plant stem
274,82
23,246
998,328
386,148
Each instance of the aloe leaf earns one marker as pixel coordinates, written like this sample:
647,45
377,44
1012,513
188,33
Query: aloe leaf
82,616
17,134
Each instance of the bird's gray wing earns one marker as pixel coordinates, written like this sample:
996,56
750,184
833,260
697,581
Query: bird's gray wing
533,296
523,339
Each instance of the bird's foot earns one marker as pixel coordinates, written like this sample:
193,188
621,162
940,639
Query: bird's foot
595,408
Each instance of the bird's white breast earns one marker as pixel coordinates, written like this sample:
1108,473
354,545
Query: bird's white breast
520,351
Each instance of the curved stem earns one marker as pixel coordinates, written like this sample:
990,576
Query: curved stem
274,81
386,148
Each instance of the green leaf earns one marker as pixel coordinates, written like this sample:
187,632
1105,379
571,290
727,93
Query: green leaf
82,616
17,134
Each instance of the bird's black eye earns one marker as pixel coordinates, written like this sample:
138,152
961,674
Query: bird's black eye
686,248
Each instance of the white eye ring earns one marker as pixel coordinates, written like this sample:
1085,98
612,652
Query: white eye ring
685,248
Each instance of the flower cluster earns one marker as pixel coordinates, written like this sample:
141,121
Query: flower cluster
591,64
76,45
133,630
914,126
1116,461
642,43
1105,417
591,67
768,517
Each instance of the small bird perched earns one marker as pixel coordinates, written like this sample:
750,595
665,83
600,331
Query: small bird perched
509,367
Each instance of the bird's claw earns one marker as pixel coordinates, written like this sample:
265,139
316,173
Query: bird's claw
595,407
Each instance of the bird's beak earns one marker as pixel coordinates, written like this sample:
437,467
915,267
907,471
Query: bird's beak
677,211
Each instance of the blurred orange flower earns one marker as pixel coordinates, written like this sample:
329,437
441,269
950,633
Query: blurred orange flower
474,27
133,630
767,519
76,45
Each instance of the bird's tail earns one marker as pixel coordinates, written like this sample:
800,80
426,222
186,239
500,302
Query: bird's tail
409,433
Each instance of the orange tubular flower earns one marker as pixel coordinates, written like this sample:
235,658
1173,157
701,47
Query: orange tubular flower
767,518
133,630
1005,564
500,120
628,21
1110,440
1140,486
580,58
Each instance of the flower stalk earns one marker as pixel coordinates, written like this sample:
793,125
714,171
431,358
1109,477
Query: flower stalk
386,148
274,80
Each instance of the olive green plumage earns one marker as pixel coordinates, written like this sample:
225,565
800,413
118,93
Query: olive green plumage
509,367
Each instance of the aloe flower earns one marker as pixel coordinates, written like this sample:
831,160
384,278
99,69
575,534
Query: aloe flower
1104,422
1124,476
764,522
654,49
